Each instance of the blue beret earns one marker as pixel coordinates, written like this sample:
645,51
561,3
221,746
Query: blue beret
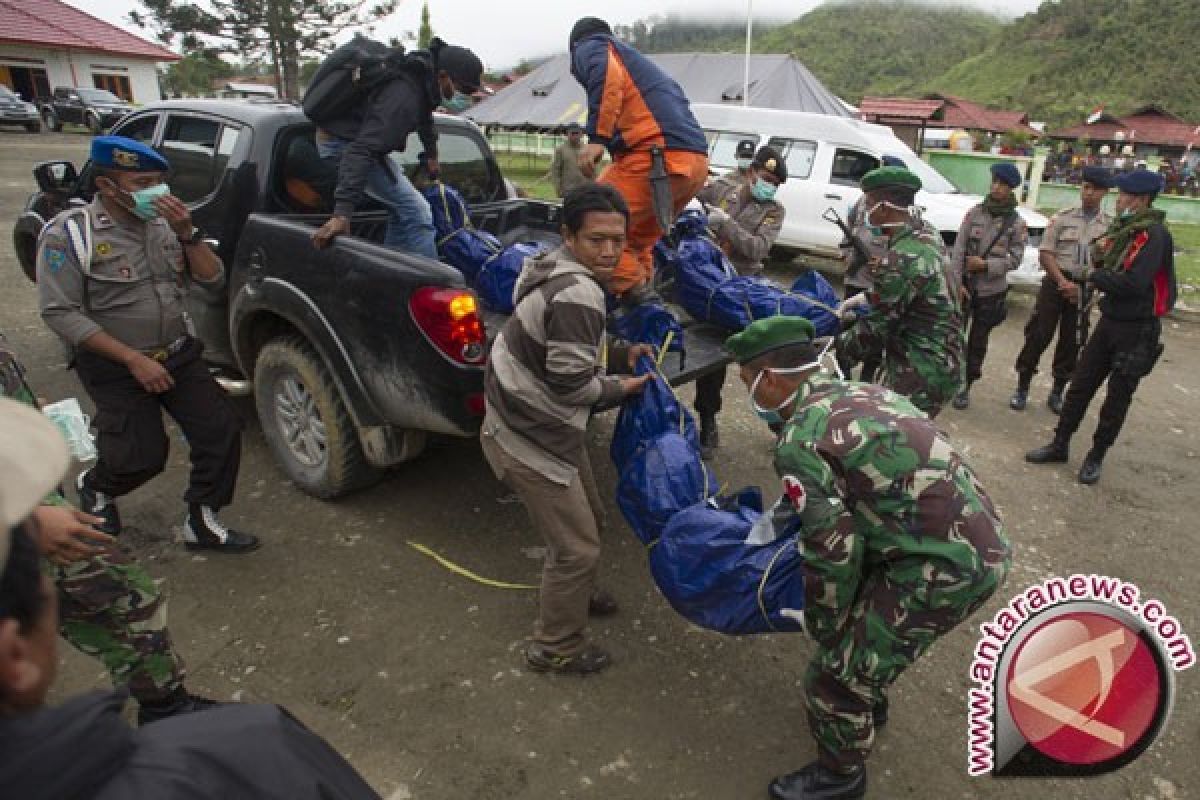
120,152
1007,172
1140,181
1098,176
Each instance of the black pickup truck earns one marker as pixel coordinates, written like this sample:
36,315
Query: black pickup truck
98,109
356,353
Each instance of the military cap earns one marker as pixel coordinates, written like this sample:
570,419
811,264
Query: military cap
120,152
764,335
1007,172
890,178
1140,181
745,149
1098,176
768,158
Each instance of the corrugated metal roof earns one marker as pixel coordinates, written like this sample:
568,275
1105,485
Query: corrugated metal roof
54,24
550,97
899,108
1148,125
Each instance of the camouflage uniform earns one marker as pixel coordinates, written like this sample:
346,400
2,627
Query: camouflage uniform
900,544
109,607
915,319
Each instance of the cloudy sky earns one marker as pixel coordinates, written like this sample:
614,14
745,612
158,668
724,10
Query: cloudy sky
502,32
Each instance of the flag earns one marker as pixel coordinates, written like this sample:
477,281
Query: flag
1097,112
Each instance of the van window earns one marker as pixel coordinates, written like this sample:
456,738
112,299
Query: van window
849,166
798,153
722,147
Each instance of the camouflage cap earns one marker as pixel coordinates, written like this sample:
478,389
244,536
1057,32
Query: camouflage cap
764,335
890,178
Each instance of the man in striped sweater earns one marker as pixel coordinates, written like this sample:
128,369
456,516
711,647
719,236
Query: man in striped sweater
545,374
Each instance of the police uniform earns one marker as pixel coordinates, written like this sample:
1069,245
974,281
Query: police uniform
746,233
999,236
1134,266
102,272
716,189
1069,237
900,544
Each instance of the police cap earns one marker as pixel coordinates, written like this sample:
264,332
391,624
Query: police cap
745,149
1006,172
1140,181
768,158
120,152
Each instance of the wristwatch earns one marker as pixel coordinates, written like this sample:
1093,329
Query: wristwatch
195,237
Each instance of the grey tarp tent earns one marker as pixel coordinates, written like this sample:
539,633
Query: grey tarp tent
550,97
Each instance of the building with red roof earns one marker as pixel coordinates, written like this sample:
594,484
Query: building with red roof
1150,130
910,117
46,44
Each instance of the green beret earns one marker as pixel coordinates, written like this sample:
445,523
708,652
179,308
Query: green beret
764,335
890,178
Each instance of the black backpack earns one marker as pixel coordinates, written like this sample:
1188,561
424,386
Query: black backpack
347,75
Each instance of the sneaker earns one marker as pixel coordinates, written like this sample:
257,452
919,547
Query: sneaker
962,400
602,604
98,504
203,531
178,702
1054,453
815,782
589,660
1018,400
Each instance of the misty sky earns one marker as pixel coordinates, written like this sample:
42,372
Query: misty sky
502,32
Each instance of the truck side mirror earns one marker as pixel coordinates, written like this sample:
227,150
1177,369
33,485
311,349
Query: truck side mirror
56,177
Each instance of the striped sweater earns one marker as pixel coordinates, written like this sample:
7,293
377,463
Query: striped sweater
544,373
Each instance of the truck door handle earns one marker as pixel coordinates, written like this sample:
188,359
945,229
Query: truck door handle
832,196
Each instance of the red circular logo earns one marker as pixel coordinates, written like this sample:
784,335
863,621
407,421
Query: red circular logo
1084,688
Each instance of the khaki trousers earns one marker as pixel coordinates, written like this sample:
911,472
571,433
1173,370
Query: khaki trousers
569,519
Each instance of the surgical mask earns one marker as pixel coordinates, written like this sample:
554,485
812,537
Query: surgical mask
771,416
458,102
762,190
880,230
143,201
744,163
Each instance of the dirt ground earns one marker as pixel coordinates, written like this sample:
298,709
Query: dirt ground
415,673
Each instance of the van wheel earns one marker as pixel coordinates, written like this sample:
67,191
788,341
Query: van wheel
306,423
50,121
94,124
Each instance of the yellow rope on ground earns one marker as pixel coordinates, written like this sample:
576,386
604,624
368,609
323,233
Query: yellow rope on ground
466,573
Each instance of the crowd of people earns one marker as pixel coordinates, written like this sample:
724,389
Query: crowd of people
856,460
1179,174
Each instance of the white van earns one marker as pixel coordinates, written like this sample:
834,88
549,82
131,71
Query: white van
826,157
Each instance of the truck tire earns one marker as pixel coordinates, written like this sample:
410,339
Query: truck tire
306,423
94,124
50,121
33,127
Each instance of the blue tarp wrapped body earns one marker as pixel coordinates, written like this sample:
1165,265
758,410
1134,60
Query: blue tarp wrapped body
663,476
739,301
648,415
813,284
648,323
709,572
498,276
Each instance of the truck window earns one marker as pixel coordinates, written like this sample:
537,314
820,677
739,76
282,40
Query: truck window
140,128
798,153
198,149
463,163
722,147
849,166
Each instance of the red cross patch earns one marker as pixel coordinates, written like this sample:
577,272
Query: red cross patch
793,489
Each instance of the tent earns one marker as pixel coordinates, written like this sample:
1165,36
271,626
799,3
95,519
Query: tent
550,97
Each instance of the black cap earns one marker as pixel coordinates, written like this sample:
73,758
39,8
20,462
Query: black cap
585,27
462,65
768,158
745,149
1098,177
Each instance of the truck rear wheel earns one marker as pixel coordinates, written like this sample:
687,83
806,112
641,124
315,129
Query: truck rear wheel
306,423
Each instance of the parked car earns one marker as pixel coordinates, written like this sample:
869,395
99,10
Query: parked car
826,158
98,109
355,353
15,111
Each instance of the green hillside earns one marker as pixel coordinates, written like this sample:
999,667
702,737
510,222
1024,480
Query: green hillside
1057,63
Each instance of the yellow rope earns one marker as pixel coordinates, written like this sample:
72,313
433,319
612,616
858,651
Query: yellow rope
466,573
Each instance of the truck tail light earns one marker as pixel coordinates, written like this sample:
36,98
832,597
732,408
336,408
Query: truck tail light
450,319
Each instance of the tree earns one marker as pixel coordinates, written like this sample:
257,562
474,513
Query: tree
278,32
195,73
425,34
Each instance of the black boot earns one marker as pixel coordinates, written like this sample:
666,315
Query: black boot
203,531
963,399
1020,397
1093,465
98,504
1054,453
879,714
177,702
815,782
709,438
1055,400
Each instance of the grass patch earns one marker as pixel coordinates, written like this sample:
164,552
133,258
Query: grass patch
528,173
1187,255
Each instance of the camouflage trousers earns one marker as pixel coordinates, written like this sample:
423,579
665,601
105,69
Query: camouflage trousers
898,613
111,609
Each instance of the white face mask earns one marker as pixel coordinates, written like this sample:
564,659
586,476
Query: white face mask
771,415
910,210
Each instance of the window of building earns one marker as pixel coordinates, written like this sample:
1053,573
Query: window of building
117,84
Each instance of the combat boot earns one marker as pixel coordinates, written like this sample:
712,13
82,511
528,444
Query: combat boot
203,531
879,714
98,504
815,782
962,400
179,701
709,438
1019,398
1093,465
1055,398
1054,453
